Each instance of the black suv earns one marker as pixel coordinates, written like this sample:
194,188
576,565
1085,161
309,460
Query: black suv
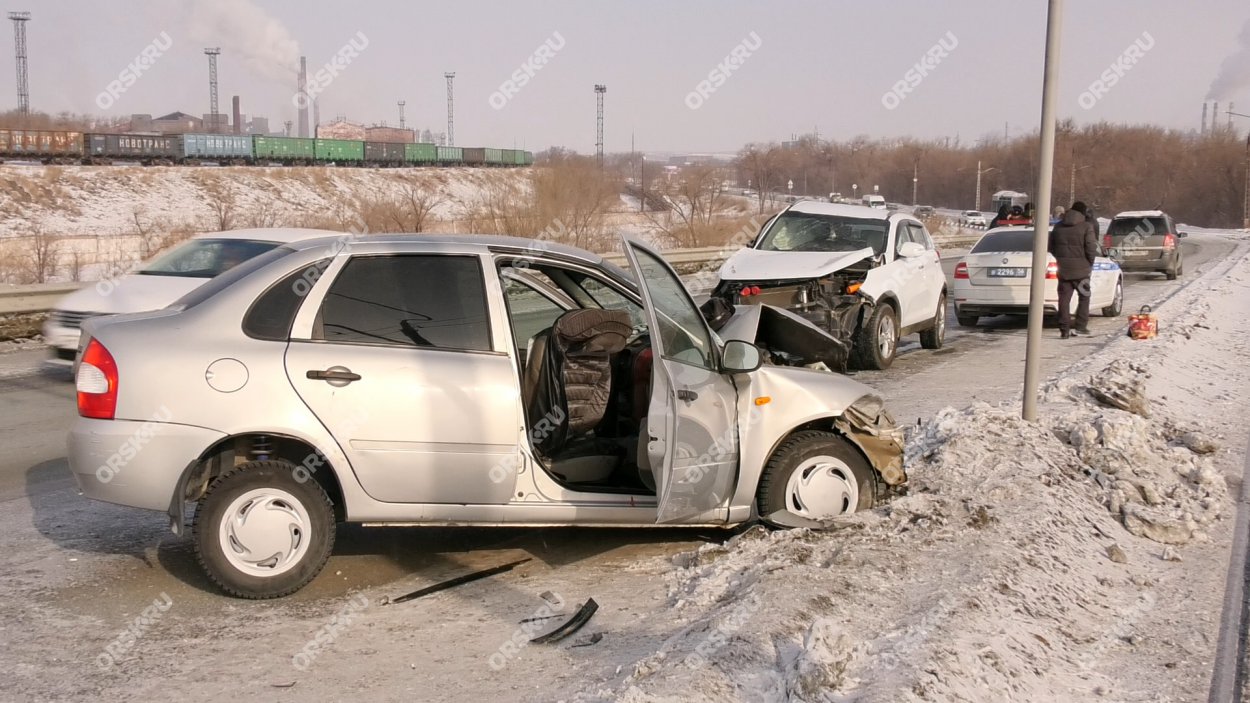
1145,241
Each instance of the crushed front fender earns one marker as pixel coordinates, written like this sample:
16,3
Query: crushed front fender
871,427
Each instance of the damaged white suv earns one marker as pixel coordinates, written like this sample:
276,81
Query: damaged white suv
865,275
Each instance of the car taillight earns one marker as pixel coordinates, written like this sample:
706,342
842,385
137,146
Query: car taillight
961,270
1106,241
1052,271
96,382
1169,241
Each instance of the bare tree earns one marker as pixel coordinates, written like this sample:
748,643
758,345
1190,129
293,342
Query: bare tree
43,251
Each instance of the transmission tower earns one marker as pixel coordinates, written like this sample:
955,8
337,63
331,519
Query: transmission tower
451,110
19,40
401,104
212,54
600,89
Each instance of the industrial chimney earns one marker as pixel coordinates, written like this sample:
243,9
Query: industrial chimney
316,122
238,117
1204,118
303,99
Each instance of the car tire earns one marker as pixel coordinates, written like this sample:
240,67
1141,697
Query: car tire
966,320
1117,303
877,341
256,563
817,475
1170,274
935,336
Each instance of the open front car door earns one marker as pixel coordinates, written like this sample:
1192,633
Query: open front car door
692,419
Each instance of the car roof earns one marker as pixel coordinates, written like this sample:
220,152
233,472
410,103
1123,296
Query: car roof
1009,228
495,242
1141,213
863,212
270,234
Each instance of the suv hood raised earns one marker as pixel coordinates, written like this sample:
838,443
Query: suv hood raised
757,265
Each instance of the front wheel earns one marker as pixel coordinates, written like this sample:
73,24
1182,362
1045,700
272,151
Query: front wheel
877,341
816,475
259,532
1117,303
935,336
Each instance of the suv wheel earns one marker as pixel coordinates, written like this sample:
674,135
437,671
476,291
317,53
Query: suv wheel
933,337
877,341
816,475
261,533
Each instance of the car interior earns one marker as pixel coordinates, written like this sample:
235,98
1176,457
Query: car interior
585,359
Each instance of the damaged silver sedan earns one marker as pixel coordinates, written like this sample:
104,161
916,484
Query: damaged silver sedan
444,380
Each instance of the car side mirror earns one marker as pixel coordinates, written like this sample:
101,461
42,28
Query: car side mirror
910,250
740,357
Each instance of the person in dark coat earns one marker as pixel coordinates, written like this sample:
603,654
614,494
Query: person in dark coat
1002,215
1074,245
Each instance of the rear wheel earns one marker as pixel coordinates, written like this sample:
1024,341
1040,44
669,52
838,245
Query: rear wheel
1171,274
816,475
934,337
877,342
1117,303
261,533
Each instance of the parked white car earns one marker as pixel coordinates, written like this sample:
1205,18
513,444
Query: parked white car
994,279
972,218
159,282
865,275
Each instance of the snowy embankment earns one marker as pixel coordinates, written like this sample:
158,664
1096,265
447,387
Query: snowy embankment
1079,557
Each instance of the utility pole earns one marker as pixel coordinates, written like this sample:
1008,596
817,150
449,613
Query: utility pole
451,109
915,180
1245,212
212,54
642,192
19,45
1045,177
401,104
600,90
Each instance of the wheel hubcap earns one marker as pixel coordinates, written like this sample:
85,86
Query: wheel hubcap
941,320
822,488
886,336
265,532
1119,296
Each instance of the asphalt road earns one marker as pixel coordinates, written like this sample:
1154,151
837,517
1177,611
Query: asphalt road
91,564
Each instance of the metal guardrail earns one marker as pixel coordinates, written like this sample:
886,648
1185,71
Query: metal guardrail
39,297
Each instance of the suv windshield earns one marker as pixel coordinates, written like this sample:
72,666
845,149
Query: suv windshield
1143,226
206,258
800,231
1010,240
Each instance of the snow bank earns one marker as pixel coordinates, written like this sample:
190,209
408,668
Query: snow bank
1024,562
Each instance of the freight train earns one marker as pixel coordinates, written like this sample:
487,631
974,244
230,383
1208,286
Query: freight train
63,147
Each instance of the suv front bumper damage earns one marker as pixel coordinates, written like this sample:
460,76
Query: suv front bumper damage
793,339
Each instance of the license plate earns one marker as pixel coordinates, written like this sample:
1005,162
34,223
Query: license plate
1137,254
1016,272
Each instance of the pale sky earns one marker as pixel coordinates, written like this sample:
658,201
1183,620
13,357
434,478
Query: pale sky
822,65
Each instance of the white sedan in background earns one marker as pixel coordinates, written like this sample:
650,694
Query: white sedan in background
972,218
994,279
161,281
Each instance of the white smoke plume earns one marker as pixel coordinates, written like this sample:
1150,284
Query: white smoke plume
1235,71
244,30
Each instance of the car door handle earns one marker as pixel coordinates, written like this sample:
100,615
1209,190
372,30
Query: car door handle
334,374
686,394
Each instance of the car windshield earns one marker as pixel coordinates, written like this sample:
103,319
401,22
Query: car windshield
800,231
1144,226
206,258
1005,241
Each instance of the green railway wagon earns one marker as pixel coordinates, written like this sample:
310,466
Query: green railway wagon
420,153
338,150
527,158
284,149
450,155
494,157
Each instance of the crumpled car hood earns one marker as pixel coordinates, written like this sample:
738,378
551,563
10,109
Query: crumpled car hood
777,330
756,265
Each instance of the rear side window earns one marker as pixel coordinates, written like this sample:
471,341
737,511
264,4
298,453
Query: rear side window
220,283
273,313
425,301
